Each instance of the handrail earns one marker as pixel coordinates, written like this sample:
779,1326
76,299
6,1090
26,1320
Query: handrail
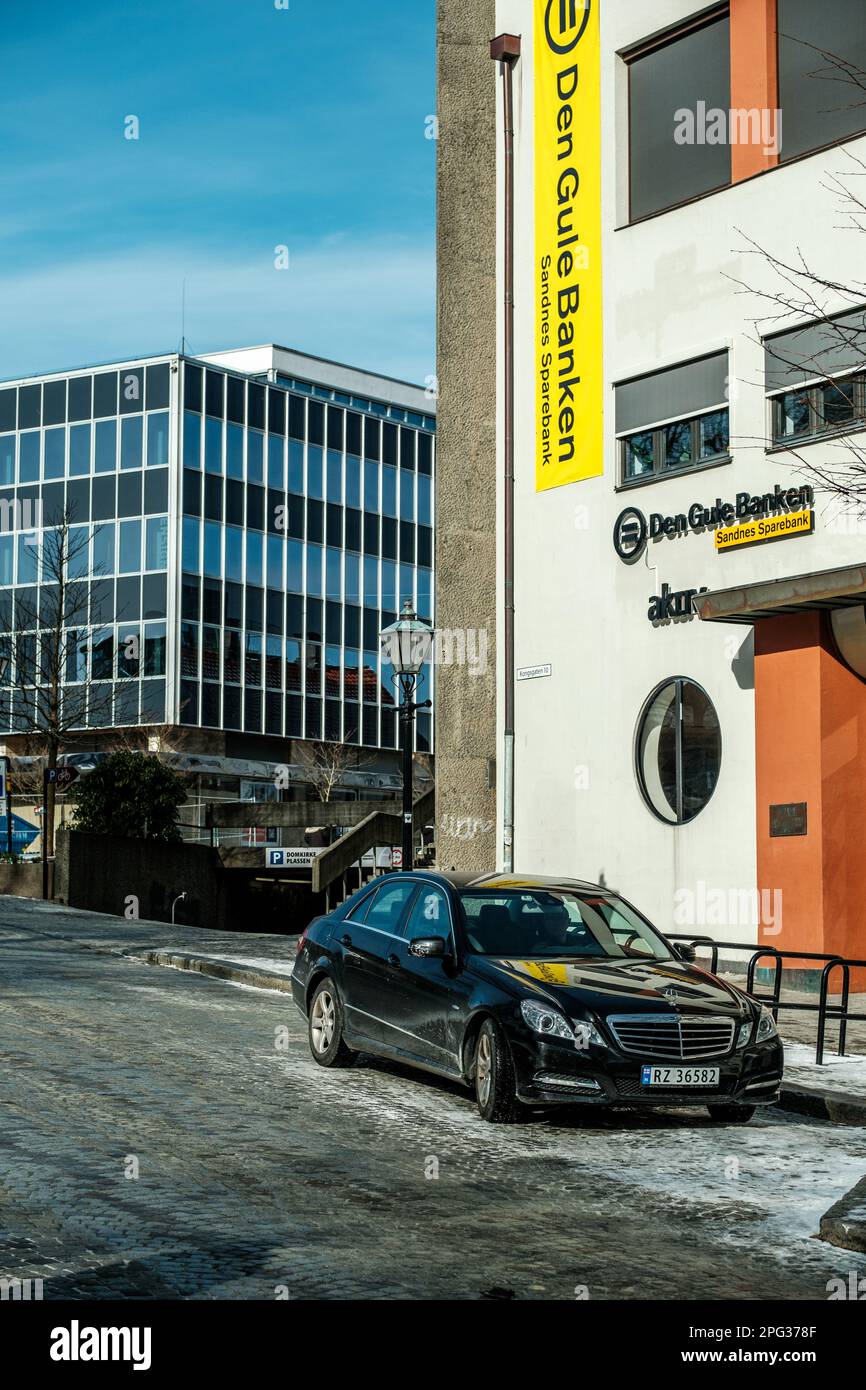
840,1011
379,828
823,1008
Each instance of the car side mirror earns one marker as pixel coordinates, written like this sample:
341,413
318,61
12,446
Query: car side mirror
429,946
685,950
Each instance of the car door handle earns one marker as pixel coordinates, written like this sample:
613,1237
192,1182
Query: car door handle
394,960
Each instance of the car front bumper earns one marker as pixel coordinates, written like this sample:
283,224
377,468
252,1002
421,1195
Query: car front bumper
555,1072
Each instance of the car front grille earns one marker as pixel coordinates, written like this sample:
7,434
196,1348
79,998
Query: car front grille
669,1036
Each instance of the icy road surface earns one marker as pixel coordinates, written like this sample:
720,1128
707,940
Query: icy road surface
167,1135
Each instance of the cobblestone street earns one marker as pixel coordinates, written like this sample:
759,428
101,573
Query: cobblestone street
167,1135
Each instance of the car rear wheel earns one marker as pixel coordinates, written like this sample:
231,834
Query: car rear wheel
326,1027
494,1076
731,1114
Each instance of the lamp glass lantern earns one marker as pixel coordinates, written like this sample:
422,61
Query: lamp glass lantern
407,643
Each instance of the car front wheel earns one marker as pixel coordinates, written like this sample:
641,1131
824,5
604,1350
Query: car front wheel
326,1027
731,1114
494,1076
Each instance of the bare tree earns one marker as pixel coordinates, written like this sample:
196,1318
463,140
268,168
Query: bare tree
60,680
324,765
161,740
793,292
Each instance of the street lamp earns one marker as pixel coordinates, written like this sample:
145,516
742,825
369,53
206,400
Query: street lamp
407,645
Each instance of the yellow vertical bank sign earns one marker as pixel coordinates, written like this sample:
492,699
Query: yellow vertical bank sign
568,308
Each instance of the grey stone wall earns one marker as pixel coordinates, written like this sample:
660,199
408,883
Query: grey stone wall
21,880
101,872
466,429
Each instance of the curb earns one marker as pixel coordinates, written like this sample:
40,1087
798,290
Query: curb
230,970
834,1106
845,1223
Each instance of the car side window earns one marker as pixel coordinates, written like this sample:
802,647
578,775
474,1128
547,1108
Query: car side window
389,902
429,915
359,909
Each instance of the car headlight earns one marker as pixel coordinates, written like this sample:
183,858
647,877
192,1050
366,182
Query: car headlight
745,1032
766,1026
542,1019
586,1033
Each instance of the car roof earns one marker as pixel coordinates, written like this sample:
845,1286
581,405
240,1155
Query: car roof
493,880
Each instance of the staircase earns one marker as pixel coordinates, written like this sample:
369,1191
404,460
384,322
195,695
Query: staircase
333,868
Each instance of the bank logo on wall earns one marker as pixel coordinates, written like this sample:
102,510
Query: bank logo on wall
629,534
748,520
568,303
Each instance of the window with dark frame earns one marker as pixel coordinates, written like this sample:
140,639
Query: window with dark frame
822,66
674,73
820,409
676,447
678,751
673,420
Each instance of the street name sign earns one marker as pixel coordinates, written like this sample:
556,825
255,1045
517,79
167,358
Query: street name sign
534,673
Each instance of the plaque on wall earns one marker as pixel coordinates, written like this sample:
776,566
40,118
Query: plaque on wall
789,818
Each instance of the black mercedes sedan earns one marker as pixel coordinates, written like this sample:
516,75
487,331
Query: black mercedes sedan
533,991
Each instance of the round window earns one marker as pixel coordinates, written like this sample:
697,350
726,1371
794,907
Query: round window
849,632
678,750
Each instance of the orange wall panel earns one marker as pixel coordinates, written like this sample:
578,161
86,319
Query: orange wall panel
788,769
754,77
810,740
843,768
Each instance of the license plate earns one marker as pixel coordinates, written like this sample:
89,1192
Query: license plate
680,1076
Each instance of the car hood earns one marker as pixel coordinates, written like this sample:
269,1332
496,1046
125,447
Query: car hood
613,986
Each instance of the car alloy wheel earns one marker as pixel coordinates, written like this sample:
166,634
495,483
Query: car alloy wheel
326,1027
495,1088
483,1068
322,1020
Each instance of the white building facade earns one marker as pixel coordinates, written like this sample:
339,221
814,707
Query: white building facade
689,705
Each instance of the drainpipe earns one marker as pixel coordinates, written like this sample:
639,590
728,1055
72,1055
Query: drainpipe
505,49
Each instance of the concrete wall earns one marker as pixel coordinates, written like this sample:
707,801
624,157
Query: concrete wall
101,872
21,880
466,496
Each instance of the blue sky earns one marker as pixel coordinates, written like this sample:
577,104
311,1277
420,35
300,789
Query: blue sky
259,127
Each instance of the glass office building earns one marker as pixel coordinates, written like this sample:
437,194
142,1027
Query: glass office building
243,526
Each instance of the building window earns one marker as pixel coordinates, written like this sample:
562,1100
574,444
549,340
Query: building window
673,420
678,751
682,75
824,408
157,440
822,57
677,446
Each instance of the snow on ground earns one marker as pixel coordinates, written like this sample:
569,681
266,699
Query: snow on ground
843,1074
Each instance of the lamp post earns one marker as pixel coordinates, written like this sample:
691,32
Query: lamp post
407,645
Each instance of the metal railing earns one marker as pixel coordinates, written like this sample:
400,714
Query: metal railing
824,1009
841,1010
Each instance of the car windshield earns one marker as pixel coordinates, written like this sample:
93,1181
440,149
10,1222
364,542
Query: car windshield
556,924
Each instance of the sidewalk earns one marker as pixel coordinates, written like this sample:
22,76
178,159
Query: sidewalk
116,936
